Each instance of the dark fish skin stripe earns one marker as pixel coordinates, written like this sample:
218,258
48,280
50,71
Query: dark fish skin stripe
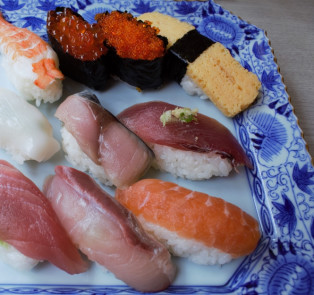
90,96
191,46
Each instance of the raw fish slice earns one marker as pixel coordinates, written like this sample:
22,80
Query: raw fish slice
25,131
186,220
31,64
107,232
122,157
201,139
29,224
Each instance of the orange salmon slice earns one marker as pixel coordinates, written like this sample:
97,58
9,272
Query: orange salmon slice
193,215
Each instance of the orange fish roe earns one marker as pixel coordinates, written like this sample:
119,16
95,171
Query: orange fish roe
131,38
77,37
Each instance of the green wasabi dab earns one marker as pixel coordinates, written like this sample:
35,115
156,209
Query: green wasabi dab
185,115
3,244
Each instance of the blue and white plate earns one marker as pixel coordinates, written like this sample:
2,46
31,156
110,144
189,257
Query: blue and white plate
278,191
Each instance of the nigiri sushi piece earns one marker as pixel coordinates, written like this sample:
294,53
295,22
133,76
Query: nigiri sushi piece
30,63
25,132
95,141
79,45
205,229
108,233
29,224
185,143
204,67
136,49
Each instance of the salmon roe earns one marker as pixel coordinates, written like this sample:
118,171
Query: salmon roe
131,38
77,37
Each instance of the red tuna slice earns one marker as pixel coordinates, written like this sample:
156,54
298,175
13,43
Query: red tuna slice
202,135
107,232
29,223
107,142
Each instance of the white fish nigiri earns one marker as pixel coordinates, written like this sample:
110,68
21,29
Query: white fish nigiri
30,63
25,132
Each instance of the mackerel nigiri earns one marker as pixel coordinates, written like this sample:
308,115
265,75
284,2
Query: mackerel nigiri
25,132
107,232
29,224
96,141
206,229
186,143
30,63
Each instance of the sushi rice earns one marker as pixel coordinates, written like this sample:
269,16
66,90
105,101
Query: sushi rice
191,88
191,249
189,164
11,256
78,158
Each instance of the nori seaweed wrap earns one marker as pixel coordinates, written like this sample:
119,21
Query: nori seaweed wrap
79,46
181,54
136,50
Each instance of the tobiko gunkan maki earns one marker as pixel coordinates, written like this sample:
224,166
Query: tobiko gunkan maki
136,48
79,46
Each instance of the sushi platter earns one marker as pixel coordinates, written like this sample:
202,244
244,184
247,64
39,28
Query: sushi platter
276,190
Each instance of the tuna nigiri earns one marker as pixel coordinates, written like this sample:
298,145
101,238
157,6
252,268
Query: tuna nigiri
206,229
25,132
94,140
186,143
29,224
107,232
30,63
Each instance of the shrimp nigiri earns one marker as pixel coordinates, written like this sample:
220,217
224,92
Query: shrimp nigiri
206,229
31,64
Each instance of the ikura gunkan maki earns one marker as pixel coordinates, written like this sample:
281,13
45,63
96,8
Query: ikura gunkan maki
79,46
136,48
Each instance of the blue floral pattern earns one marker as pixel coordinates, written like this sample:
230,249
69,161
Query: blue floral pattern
282,180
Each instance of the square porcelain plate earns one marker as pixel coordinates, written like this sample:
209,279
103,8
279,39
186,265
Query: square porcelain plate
278,191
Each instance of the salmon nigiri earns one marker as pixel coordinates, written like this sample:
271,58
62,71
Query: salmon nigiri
29,224
206,229
107,232
31,64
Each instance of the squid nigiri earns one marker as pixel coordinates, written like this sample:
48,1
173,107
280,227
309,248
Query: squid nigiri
25,132
107,232
185,143
29,224
95,141
30,63
206,229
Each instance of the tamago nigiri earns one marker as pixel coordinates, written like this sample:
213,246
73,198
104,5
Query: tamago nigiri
206,229
30,63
